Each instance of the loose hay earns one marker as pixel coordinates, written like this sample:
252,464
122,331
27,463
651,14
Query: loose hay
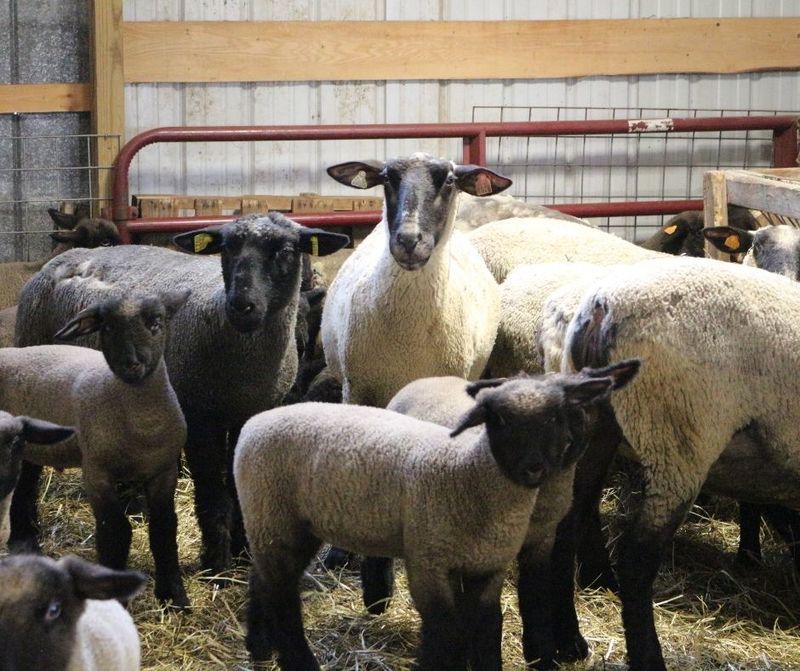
711,614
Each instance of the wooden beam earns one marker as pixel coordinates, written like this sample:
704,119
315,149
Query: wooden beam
41,98
108,106
228,51
778,193
715,208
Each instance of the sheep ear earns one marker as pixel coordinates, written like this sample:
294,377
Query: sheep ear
475,387
317,242
584,391
68,236
174,299
44,433
729,239
475,417
85,322
358,174
205,241
65,221
92,581
478,181
315,296
620,373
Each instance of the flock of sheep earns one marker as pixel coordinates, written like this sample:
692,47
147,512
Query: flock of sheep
492,361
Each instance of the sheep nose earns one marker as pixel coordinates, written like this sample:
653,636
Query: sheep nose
242,305
408,240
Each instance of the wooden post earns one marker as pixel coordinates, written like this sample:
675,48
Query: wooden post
108,98
715,208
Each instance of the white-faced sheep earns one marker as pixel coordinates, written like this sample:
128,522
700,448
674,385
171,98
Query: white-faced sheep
715,402
380,483
231,352
550,632
130,428
74,230
64,616
14,432
414,299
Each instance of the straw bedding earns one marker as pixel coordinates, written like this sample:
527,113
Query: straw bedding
711,613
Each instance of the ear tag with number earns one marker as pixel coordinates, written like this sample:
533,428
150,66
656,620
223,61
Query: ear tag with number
201,241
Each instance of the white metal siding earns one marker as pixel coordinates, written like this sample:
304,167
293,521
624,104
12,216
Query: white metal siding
222,168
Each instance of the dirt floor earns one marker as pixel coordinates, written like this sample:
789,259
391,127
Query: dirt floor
711,613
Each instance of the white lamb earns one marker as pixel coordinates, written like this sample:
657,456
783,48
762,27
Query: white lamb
414,299
64,615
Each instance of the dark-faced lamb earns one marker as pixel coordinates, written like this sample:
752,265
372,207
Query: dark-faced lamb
64,616
14,432
130,428
414,299
73,230
380,483
231,352
715,402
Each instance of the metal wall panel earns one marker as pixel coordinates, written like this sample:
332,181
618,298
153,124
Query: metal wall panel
296,167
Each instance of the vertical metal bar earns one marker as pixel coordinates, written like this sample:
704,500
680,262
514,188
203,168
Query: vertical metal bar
94,209
16,132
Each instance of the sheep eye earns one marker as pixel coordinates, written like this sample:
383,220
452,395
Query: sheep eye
53,611
450,179
105,243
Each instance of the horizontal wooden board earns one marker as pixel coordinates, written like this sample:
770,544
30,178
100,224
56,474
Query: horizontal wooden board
35,98
231,51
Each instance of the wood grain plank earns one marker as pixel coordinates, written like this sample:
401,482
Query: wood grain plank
227,51
40,98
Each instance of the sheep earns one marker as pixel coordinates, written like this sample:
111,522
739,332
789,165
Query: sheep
14,431
715,403
75,230
130,428
414,299
8,317
231,351
509,243
772,248
477,211
64,615
377,482
682,235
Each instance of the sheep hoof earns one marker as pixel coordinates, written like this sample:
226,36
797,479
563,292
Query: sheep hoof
336,558
574,650
748,559
29,545
177,600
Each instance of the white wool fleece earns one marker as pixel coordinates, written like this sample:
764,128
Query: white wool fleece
509,243
105,639
383,326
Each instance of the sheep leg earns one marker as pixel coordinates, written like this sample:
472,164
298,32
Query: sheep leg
112,529
23,514
749,553
377,583
238,537
483,621
274,614
206,458
787,523
163,531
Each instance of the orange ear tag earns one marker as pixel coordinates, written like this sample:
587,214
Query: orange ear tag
669,230
201,241
732,242
483,185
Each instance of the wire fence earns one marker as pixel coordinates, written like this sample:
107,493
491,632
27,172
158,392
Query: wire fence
40,172
635,166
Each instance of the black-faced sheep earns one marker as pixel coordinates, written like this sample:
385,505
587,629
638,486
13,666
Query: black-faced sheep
130,428
414,299
725,415
231,351
379,483
64,616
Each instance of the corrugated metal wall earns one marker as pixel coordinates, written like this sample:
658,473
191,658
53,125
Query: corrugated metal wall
294,167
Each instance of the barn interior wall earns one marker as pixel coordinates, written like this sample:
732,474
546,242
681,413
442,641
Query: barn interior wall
287,168
40,42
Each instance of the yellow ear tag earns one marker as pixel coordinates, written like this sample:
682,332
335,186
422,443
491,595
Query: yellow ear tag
669,230
732,242
314,245
201,241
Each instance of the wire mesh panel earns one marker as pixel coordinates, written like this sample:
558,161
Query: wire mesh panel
37,173
640,166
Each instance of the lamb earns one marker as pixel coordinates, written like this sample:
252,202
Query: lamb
726,415
130,428
772,248
75,230
506,244
231,351
380,483
14,431
63,615
414,299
